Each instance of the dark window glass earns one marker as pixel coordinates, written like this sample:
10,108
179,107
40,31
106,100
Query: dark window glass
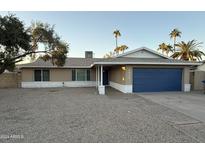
81,74
37,75
46,75
88,75
73,75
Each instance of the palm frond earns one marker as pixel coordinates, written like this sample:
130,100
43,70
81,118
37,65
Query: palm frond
189,51
176,55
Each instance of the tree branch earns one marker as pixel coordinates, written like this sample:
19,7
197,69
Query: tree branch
28,53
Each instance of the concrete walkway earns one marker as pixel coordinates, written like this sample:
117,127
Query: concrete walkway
191,104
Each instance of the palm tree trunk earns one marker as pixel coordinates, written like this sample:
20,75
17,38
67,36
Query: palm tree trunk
116,41
174,43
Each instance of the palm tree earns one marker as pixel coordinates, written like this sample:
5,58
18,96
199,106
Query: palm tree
169,49
117,50
123,48
109,55
117,34
174,34
165,48
162,47
188,51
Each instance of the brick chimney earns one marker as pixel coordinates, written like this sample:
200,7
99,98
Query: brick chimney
88,54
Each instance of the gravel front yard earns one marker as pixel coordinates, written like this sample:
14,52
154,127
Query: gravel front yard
81,115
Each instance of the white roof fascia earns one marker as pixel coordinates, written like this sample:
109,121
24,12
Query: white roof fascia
144,63
56,67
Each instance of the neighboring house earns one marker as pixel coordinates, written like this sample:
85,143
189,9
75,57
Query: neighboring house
140,70
197,76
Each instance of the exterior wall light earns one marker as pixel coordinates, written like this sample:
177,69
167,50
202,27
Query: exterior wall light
123,68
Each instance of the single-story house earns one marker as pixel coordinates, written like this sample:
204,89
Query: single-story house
139,70
197,75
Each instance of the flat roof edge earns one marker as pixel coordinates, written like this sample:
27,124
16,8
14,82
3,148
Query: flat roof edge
55,67
116,63
144,63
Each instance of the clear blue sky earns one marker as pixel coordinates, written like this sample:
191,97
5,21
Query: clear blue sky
93,30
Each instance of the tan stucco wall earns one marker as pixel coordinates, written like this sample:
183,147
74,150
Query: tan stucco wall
116,74
9,80
93,75
186,75
60,74
27,75
198,77
129,72
57,74
185,78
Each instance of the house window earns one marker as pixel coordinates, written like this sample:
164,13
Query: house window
73,75
41,75
88,75
37,75
81,75
46,75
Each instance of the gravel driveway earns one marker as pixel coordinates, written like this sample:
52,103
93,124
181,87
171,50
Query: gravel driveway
81,115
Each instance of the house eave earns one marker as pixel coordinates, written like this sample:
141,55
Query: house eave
63,67
145,63
116,63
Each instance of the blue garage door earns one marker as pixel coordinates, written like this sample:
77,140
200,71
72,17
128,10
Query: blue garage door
156,80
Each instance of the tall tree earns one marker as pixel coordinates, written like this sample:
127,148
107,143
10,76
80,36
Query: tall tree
123,48
120,49
174,34
17,42
188,51
162,47
116,34
109,55
167,48
117,51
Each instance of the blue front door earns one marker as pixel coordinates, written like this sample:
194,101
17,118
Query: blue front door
156,80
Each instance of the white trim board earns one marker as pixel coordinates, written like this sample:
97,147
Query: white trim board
62,67
120,87
187,88
144,63
39,84
51,84
80,84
